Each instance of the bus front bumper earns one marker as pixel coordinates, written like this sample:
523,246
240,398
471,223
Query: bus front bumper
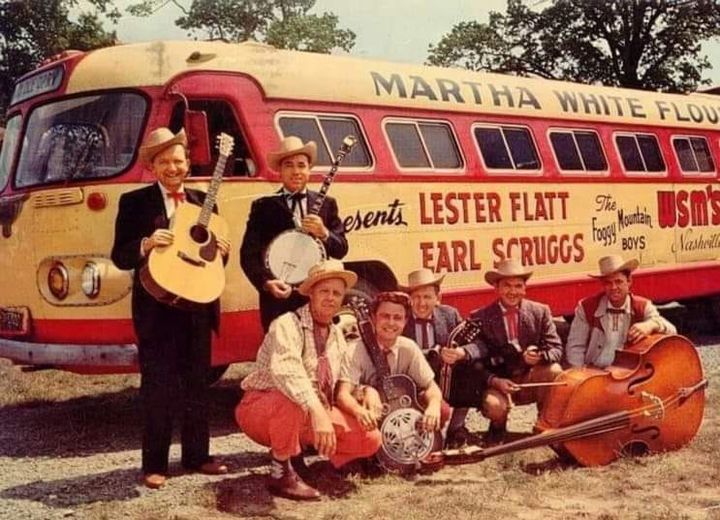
22,352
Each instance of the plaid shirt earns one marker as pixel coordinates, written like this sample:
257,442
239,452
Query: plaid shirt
287,359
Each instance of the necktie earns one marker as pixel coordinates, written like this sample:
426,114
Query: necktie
297,206
324,374
511,317
425,340
176,196
615,314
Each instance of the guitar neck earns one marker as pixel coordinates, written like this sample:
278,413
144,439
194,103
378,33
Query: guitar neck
367,332
211,196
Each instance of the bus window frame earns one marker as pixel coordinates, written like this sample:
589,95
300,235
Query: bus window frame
710,174
7,143
594,174
370,169
422,170
514,172
645,174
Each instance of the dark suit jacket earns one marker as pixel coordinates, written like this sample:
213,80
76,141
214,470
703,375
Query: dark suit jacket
270,216
535,327
140,213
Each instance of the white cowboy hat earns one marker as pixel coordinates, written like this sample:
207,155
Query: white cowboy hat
157,141
615,264
508,268
324,270
421,278
292,145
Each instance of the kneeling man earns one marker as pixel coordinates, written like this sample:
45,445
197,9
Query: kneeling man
289,400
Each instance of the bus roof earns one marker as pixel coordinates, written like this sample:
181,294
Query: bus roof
348,80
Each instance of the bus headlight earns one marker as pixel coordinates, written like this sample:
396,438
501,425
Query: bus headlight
58,281
90,280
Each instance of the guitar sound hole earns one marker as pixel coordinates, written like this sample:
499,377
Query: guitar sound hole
199,234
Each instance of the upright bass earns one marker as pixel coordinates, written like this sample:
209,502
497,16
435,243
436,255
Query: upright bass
650,400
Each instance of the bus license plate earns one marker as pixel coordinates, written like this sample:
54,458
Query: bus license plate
14,321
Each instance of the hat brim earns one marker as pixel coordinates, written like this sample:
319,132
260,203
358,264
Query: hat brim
410,288
348,277
493,277
146,154
628,266
310,150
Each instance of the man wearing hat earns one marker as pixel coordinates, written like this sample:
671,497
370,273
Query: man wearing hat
173,344
429,325
285,209
603,323
520,345
290,400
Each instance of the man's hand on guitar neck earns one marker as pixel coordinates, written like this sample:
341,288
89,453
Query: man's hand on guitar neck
324,440
314,225
223,245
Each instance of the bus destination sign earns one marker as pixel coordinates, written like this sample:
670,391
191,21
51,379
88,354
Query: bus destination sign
41,83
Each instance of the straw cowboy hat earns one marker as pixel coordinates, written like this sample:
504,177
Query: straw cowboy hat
292,145
324,270
615,264
421,278
508,268
157,141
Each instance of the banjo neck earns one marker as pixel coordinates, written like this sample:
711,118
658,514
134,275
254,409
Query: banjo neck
345,149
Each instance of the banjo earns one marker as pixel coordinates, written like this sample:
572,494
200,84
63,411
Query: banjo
292,253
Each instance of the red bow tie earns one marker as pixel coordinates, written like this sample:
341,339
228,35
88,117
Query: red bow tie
176,196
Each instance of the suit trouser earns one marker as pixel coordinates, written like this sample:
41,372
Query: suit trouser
270,418
174,384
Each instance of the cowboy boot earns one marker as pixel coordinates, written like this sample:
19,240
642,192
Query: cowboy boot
284,482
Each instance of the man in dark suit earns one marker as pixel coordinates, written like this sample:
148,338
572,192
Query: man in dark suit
287,209
519,345
173,344
430,324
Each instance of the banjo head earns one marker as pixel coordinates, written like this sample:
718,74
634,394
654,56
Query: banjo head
291,254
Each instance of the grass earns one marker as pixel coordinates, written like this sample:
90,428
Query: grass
87,415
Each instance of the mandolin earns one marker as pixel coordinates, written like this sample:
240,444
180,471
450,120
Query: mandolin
190,271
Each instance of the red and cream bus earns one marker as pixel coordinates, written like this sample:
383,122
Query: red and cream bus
454,170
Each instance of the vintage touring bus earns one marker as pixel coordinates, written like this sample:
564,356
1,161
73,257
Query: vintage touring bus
453,170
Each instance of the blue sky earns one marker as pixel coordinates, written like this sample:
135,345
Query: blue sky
395,30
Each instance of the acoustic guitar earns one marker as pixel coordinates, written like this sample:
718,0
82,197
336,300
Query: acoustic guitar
190,271
404,442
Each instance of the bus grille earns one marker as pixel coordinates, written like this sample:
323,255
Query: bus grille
58,198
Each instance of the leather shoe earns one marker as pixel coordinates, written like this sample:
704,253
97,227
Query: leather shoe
300,467
291,486
154,480
457,438
213,467
495,434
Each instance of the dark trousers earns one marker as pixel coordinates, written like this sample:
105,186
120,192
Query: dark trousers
174,369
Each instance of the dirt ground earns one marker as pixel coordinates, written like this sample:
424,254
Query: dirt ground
69,448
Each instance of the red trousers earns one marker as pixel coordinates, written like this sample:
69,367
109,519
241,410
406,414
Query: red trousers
271,419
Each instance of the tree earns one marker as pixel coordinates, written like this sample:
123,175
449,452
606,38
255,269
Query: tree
34,30
282,23
645,44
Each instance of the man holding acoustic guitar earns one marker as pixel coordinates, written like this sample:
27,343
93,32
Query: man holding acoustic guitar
173,342
287,209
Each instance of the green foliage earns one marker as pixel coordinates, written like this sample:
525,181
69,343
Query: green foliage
34,30
282,23
646,44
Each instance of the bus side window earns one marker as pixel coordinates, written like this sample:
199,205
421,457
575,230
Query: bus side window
640,153
578,151
221,119
507,148
328,132
693,154
424,144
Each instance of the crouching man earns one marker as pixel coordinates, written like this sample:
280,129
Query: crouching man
289,400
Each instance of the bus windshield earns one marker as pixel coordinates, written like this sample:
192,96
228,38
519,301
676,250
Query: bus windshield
8,149
80,138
